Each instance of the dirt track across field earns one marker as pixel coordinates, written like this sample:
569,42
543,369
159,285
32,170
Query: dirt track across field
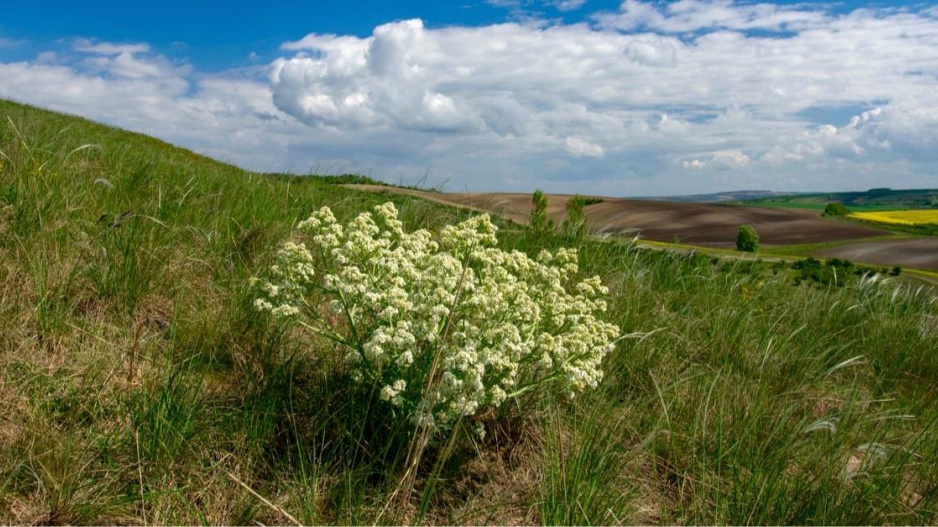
914,253
692,223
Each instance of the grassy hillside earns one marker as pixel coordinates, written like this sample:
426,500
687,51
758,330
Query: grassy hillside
869,200
138,385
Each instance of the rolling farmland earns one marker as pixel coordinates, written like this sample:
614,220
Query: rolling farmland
710,225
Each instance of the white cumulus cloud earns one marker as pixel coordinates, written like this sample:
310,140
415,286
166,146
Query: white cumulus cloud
580,147
695,15
568,5
109,48
725,159
653,97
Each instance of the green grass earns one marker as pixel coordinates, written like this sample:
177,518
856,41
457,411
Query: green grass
137,385
865,201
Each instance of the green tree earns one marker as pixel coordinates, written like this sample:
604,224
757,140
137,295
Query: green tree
747,239
539,223
574,225
836,208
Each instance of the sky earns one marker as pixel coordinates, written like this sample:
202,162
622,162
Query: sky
630,98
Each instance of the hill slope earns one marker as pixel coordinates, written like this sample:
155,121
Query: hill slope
138,384
873,199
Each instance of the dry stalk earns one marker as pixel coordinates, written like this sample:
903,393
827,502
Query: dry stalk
138,331
263,500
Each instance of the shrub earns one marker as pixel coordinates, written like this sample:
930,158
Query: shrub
845,265
835,208
574,225
747,239
835,271
811,269
539,223
442,327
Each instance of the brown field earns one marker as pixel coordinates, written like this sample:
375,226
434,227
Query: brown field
914,253
706,224
702,224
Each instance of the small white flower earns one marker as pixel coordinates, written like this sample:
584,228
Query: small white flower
392,393
479,431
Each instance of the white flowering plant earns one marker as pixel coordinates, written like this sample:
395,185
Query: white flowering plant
443,326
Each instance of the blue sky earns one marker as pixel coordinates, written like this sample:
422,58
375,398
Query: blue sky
214,38
626,98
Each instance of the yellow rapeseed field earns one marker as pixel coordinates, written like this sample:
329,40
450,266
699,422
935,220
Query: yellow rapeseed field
906,217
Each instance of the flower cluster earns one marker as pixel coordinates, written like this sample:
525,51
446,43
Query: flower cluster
444,326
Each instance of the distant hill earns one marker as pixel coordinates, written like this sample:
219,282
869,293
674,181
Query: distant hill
720,197
873,199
